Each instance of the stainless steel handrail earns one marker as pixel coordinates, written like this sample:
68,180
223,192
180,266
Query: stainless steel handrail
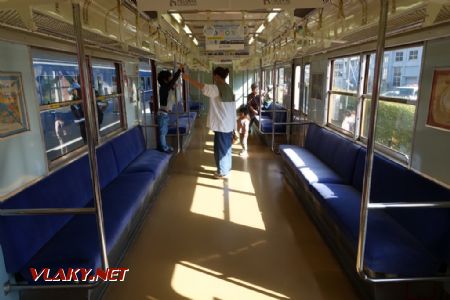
91,132
365,202
445,204
371,139
47,211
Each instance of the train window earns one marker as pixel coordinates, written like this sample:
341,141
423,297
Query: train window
343,97
59,95
297,86
398,99
305,103
146,88
346,74
105,78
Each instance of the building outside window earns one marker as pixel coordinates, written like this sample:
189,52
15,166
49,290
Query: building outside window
413,54
343,100
397,101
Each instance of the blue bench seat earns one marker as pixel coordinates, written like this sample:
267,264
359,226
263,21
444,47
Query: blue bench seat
268,117
185,123
405,242
127,172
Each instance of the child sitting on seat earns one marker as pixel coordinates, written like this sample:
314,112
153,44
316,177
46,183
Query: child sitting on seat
243,126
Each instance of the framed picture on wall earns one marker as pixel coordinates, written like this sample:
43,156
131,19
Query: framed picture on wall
13,113
439,110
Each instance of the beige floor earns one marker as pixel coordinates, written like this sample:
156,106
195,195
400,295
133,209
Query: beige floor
246,237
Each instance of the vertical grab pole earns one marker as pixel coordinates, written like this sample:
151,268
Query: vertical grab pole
275,89
176,111
142,100
371,138
260,79
260,91
89,106
155,97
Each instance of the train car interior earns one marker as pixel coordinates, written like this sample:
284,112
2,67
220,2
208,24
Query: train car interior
225,149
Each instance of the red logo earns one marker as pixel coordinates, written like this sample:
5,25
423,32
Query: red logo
79,275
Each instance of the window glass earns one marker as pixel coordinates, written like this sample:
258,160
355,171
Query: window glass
146,88
306,89
59,95
398,99
346,74
400,79
342,111
298,70
395,125
109,108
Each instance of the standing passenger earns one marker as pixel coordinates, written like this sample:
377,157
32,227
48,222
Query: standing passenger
221,117
167,98
243,127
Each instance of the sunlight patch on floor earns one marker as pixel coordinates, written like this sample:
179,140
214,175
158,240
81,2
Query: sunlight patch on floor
196,282
232,199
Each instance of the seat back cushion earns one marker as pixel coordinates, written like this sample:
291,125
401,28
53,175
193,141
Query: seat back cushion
22,236
127,147
107,165
313,138
338,153
392,182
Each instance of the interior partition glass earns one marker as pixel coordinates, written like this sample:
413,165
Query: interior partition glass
108,95
58,90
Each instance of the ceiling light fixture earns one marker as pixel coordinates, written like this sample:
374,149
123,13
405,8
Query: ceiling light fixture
261,28
252,39
195,41
271,16
177,17
187,29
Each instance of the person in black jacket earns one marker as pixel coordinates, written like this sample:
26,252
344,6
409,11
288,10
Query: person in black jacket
167,98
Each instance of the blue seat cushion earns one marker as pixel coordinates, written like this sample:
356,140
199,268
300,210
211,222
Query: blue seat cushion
22,236
267,124
77,242
107,165
184,125
152,161
392,182
313,138
127,147
307,166
339,153
389,247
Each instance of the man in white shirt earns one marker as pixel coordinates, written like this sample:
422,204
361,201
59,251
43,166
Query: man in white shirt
221,117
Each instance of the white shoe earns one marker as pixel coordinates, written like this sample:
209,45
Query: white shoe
243,153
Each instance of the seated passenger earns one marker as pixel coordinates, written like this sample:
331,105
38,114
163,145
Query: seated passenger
349,121
253,105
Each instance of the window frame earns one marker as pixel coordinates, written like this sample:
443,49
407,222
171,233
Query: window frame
364,94
355,94
404,158
76,153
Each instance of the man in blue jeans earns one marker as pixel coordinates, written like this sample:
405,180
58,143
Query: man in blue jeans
167,98
221,117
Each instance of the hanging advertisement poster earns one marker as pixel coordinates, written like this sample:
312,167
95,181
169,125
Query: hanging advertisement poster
222,36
